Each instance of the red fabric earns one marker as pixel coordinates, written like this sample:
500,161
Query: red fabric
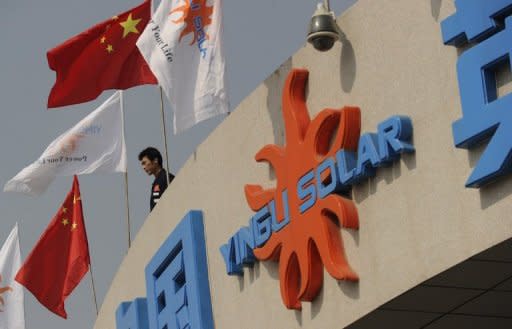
85,67
60,258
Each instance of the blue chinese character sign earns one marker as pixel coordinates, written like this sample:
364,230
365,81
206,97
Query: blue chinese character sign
177,279
485,115
178,291
132,315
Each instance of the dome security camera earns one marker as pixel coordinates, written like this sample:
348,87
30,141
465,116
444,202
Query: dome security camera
323,29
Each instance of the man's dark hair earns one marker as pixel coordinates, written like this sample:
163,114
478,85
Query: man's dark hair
151,153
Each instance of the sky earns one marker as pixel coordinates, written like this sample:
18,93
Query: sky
258,37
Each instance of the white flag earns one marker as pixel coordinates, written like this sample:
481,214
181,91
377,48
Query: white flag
95,144
12,315
183,47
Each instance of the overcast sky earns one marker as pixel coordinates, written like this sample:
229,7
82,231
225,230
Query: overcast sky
259,36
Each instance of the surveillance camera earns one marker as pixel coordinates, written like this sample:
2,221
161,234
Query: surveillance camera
323,29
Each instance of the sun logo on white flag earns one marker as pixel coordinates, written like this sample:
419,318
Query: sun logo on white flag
70,144
197,17
2,291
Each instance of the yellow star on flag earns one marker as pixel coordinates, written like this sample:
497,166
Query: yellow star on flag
115,18
65,222
64,210
102,40
130,25
110,49
73,226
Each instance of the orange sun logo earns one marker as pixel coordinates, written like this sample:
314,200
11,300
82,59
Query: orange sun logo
312,239
69,144
2,291
196,15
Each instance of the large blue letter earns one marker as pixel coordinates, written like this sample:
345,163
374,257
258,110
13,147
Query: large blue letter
394,135
177,279
347,162
485,116
325,190
306,191
132,315
276,223
261,226
367,155
245,245
228,252
474,20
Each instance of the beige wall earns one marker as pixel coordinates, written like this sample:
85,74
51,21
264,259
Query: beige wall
416,217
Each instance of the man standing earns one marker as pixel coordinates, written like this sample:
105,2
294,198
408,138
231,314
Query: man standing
151,161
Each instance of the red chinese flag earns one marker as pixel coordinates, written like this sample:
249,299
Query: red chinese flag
60,258
103,57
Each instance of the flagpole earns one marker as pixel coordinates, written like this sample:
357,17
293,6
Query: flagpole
127,210
164,133
93,288
19,245
128,225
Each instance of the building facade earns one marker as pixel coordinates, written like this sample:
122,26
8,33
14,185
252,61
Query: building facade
415,216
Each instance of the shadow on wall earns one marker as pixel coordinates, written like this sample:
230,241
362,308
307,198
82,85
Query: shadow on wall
274,85
387,174
347,64
435,6
298,317
494,192
316,305
252,273
272,269
349,289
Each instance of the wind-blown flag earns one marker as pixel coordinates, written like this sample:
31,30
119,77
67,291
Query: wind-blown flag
103,57
60,258
12,314
95,144
183,46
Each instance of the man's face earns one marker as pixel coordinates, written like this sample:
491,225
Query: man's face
150,167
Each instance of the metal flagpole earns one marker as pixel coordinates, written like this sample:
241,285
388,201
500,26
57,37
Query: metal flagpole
164,133
93,288
19,244
128,226
90,272
127,210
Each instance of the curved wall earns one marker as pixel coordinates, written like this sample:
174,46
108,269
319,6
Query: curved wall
416,217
